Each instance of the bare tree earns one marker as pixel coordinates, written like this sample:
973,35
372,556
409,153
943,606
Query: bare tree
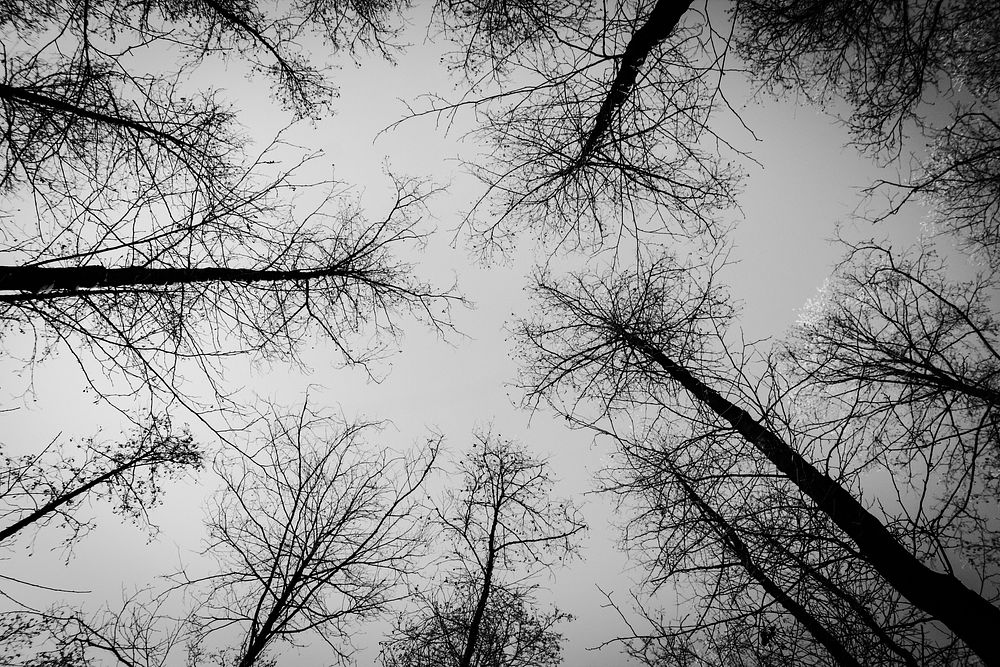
595,117
598,118
78,110
886,59
958,181
141,229
66,91
93,145
914,67
311,533
643,339
513,631
258,276
144,232
499,521
34,639
138,634
50,485
767,576
911,355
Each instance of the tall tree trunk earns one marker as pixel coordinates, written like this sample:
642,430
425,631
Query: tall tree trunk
48,282
259,637
972,618
31,98
61,500
863,613
739,548
658,26
484,593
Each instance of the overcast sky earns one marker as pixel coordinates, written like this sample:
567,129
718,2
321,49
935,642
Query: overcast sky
807,184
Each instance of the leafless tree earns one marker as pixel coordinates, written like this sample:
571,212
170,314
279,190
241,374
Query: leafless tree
595,117
767,576
89,136
886,59
312,532
138,634
958,180
69,84
259,276
910,354
142,231
513,631
33,639
913,67
48,486
598,117
500,520
643,341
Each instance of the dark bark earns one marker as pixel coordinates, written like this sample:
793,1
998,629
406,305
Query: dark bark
263,636
37,100
934,377
739,548
661,22
972,618
49,282
61,500
243,24
480,611
866,616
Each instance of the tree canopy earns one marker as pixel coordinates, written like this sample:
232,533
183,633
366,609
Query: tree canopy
175,244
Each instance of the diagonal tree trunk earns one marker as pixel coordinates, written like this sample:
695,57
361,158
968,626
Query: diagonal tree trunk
31,98
739,548
661,22
64,499
484,593
863,613
972,618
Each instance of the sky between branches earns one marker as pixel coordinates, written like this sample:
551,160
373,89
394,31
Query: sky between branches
806,184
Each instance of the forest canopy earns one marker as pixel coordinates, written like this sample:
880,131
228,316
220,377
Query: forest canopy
377,317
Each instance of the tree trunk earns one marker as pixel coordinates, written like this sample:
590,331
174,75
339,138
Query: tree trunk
863,613
739,548
661,22
47,282
972,618
61,500
259,638
37,100
480,611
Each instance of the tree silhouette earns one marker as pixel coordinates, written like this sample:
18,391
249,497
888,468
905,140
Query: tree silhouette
254,278
912,354
595,118
643,338
885,59
833,499
48,486
141,229
958,180
512,631
769,577
921,68
500,520
138,634
312,533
